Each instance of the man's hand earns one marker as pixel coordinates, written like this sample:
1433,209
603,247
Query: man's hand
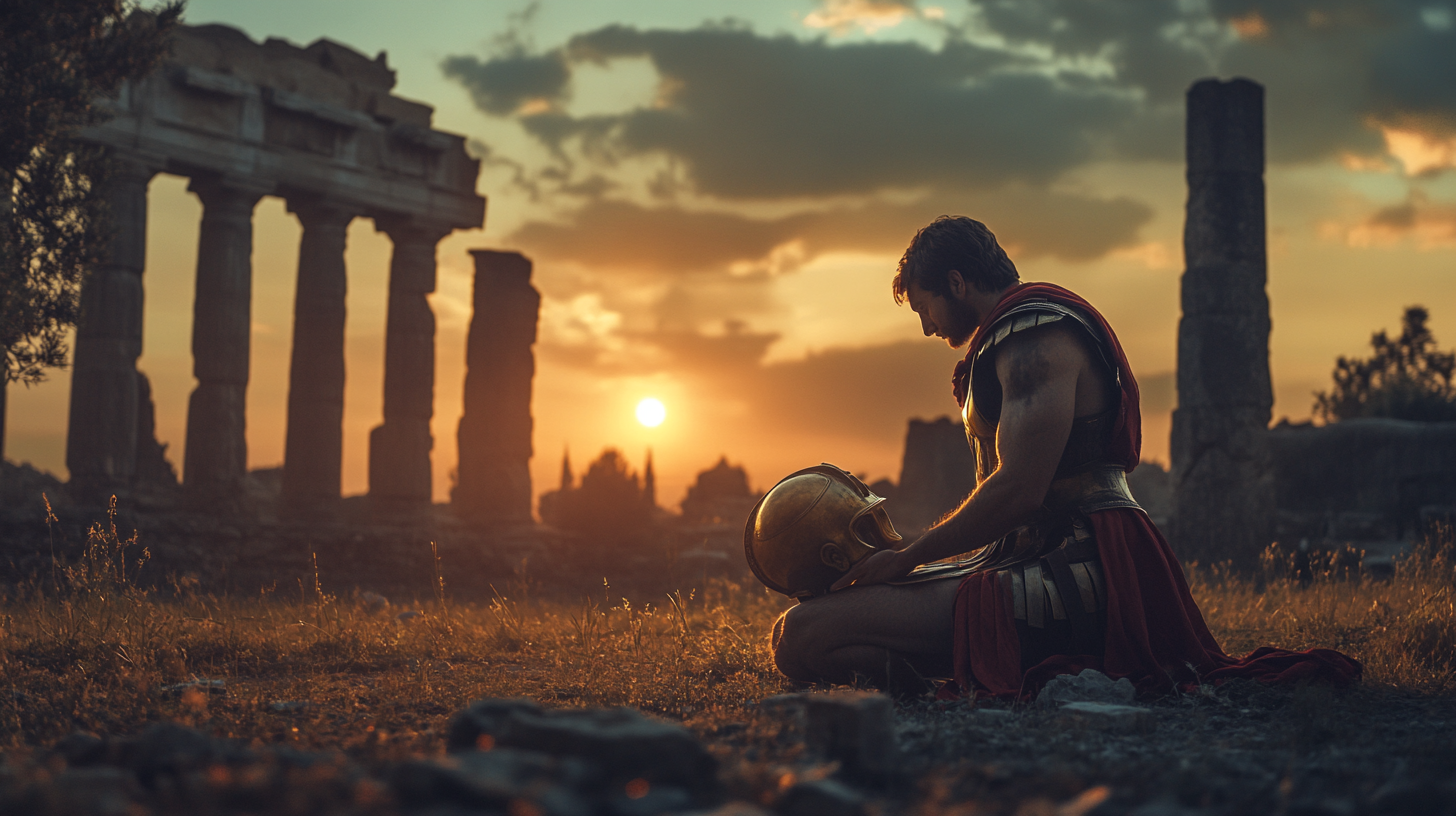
876,568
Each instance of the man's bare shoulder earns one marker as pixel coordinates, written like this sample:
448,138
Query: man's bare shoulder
1028,359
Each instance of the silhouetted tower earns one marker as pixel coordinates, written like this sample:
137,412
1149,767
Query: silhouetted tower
649,482
1222,475
568,480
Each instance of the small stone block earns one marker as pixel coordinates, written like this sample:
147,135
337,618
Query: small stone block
823,797
855,728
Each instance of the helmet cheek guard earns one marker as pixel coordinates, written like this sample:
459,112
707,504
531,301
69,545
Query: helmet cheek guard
811,528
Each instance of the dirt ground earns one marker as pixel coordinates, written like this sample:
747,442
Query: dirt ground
1237,749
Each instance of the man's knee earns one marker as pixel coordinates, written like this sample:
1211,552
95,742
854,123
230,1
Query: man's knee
793,644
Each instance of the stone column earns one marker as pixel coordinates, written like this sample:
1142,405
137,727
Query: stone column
399,449
495,431
313,448
101,442
216,459
1224,499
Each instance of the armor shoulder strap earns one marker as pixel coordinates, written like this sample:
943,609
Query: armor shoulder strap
985,387
1035,313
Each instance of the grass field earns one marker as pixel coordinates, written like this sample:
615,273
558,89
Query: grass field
88,647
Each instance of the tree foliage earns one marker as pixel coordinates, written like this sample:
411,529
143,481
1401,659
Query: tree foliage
58,60
1405,378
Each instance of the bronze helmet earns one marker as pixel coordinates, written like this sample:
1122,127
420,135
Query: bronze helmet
806,532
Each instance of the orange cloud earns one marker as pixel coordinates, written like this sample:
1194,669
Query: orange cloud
869,16
1419,151
1432,225
1251,26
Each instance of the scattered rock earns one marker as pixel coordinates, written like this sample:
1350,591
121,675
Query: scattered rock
822,797
623,743
1410,798
200,684
408,616
169,749
645,800
373,602
100,791
737,809
1323,806
855,728
81,748
283,706
1091,686
1108,716
782,702
1162,807
495,779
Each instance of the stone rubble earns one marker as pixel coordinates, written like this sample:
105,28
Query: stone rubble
854,728
1091,686
1238,749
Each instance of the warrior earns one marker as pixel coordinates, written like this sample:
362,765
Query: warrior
1054,567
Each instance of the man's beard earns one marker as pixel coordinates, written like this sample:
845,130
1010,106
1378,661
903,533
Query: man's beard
961,326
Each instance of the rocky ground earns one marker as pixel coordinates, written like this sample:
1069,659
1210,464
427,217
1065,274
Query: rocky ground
1082,748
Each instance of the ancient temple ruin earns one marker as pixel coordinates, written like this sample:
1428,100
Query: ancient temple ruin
318,127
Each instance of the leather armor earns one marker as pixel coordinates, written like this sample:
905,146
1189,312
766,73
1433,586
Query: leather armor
1050,567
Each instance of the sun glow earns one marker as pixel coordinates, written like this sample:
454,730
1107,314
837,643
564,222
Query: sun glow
651,412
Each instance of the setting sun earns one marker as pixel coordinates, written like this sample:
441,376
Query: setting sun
651,412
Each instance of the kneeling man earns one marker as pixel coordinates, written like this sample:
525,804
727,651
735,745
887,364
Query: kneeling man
1068,572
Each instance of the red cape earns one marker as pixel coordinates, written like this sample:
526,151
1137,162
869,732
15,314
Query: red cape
1155,634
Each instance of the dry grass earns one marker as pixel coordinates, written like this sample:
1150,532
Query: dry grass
86,647
1402,627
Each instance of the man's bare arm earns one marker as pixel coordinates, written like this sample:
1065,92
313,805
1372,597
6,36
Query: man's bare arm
1038,370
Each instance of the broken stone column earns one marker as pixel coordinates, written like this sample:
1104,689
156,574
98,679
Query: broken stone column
313,448
1224,497
494,483
101,441
399,449
216,459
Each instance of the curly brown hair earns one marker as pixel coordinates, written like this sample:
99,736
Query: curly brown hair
953,242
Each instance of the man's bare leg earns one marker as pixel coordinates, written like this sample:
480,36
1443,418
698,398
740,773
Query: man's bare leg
889,635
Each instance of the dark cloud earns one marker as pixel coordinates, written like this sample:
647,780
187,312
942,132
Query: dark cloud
1430,223
1329,66
671,240
501,85
749,116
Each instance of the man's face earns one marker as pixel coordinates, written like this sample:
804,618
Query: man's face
947,318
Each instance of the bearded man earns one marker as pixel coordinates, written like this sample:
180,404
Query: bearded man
1067,570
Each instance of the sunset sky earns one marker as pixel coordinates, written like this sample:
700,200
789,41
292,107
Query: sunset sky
715,195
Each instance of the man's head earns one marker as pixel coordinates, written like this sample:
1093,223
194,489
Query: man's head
951,273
